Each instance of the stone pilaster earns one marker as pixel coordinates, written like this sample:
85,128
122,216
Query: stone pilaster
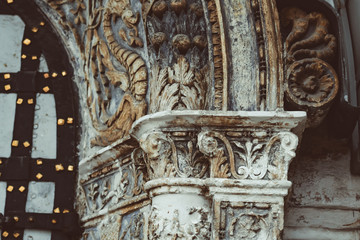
217,175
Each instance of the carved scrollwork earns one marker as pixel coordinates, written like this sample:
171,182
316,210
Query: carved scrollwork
258,158
219,156
311,82
166,158
159,153
208,145
248,159
248,220
132,226
281,150
78,18
106,79
115,73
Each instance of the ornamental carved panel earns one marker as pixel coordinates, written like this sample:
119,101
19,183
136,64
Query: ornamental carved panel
218,154
141,57
310,49
248,220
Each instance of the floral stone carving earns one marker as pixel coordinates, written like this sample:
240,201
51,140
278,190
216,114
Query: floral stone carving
240,152
202,161
249,158
178,50
248,221
310,54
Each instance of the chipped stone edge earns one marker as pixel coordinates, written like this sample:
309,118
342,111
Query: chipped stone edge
207,119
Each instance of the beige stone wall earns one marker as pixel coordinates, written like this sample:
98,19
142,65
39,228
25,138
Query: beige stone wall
324,200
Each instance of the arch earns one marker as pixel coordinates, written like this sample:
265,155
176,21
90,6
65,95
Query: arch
40,172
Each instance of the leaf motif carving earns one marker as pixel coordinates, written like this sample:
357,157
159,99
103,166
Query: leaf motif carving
181,72
178,87
221,168
159,80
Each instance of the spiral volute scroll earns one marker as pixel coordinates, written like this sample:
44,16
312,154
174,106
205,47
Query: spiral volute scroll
311,82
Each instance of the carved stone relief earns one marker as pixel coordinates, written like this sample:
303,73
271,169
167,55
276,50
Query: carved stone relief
110,227
310,50
182,41
250,155
248,220
119,226
112,119
192,160
132,226
166,158
234,154
107,35
72,17
171,228
112,185
178,51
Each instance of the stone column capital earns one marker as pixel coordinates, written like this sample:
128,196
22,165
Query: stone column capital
234,145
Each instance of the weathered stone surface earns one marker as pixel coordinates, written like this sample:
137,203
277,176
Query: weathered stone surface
310,49
251,184
324,200
212,55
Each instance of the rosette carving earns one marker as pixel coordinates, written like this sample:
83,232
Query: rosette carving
310,49
312,85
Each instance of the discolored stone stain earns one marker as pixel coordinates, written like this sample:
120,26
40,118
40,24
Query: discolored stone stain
357,197
182,131
237,8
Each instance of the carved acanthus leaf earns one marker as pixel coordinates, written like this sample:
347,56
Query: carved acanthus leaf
165,157
77,8
178,54
218,156
208,145
178,87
